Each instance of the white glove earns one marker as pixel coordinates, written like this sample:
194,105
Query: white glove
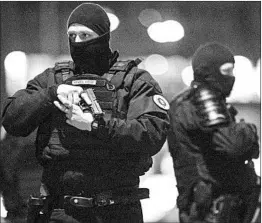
75,116
71,93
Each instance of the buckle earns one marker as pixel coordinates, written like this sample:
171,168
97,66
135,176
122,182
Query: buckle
86,202
110,87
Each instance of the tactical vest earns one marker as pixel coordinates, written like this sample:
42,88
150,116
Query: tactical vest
65,142
104,87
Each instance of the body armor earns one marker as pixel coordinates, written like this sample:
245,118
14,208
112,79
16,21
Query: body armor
58,141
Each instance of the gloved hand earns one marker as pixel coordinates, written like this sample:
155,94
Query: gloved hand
200,206
75,116
71,93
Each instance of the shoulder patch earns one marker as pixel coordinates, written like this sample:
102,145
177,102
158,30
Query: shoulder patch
161,102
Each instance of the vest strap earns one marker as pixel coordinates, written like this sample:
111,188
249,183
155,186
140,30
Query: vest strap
64,70
115,75
119,70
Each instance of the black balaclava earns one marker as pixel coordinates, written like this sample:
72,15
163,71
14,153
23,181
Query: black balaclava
206,63
92,56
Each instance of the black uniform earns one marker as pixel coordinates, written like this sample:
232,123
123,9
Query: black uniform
109,159
99,170
209,162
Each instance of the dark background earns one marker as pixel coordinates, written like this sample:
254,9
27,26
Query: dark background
40,27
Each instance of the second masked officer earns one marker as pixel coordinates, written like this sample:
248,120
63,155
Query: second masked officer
211,151
99,123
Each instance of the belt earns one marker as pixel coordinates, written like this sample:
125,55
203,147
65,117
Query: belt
106,198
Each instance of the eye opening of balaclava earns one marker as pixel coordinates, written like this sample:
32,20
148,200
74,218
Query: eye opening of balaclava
206,62
91,56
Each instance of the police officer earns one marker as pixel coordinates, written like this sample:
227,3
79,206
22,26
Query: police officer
91,160
210,150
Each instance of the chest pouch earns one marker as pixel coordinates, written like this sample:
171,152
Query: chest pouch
102,90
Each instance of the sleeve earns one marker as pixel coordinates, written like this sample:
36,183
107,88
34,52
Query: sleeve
183,122
145,128
26,109
238,141
183,114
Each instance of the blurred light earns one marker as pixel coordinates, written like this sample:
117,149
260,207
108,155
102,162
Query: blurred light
163,194
187,75
149,16
244,90
114,21
258,78
15,62
156,64
2,207
166,165
257,165
3,133
15,71
243,67
37,63
258,63
168,31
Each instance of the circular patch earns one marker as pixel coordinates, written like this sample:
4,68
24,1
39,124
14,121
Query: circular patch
161,102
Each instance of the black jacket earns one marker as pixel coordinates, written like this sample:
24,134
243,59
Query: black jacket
140,132
213,155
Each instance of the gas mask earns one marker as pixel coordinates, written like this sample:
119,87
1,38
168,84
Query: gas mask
210,106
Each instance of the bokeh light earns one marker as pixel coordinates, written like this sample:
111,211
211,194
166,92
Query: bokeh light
156,64
257,165
15,71
187,75
257,73
243,67
167,31
15,62
114,21
3,211
149,16
166,165
37,63
243,90
2,133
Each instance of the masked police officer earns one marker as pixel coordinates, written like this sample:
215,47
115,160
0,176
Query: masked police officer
99,122
210,150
